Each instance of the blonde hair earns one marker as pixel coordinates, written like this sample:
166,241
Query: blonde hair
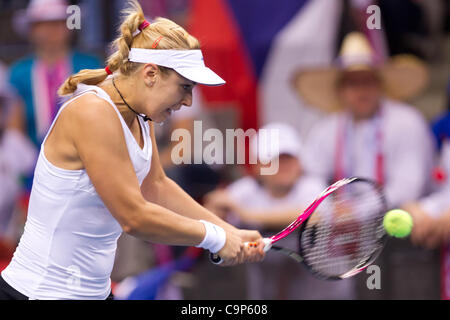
162,32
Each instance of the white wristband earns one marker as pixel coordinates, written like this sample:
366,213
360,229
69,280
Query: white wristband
214,239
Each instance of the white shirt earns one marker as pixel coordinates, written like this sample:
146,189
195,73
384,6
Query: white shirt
406,145
69,242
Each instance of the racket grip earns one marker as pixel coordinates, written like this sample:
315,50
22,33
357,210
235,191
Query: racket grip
216,259
267,244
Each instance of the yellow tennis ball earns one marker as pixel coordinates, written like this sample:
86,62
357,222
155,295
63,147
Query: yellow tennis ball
398,223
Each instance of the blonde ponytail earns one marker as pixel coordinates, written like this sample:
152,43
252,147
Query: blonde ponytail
86,76
163,33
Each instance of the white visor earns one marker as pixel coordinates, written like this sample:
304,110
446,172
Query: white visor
188,63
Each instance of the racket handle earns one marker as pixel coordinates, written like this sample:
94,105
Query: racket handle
267,244
216,259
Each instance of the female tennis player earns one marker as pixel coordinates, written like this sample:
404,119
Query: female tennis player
98,171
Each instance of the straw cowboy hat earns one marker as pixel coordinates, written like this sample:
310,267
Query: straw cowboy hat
39,11
403,76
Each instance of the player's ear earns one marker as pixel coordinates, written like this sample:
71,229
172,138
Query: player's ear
150,73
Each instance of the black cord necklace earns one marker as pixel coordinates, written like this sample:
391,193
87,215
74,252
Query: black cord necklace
143,116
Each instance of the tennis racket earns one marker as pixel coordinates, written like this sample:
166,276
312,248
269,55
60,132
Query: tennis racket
341,232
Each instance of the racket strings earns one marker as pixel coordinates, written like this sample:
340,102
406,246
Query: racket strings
345,231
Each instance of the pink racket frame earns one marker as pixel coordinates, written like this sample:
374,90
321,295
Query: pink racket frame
308,211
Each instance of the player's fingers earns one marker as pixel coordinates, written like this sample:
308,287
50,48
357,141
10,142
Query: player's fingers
249,235
249,253
255,251
238,256
254,235
261,246
241,253
259,254
228,262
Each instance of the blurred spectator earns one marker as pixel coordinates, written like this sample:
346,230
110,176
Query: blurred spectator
375,137
432,213
270,203
17,158
37,77
371,136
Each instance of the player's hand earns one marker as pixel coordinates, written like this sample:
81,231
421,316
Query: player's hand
238,252
254,252
233,251
248,235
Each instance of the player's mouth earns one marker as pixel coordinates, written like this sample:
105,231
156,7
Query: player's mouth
172,109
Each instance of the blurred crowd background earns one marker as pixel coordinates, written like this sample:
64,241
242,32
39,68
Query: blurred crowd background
287,65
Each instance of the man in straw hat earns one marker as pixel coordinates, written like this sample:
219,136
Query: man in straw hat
374,136
370,135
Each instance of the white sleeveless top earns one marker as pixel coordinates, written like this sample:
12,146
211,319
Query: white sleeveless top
68,246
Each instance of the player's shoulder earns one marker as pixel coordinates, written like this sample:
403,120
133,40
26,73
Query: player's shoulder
90,110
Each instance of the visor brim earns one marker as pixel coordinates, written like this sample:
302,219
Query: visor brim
201,75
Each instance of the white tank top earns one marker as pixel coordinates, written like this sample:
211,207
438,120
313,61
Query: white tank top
69,242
